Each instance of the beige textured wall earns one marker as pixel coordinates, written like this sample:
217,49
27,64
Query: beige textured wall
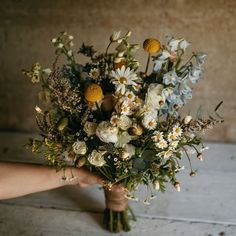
26,28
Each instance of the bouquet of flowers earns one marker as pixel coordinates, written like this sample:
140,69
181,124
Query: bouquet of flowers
117,121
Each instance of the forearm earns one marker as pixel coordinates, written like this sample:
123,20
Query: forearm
21,179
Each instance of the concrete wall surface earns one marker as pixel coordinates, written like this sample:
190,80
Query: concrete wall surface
26,28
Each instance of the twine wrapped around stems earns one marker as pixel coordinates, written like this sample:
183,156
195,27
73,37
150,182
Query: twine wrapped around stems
115,199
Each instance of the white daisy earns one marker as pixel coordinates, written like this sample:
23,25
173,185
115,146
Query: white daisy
149,123
115,119
94,73
137,102
157,136
177,130
162,144
171,137
174,144
130,95
168,153
126,108
123,77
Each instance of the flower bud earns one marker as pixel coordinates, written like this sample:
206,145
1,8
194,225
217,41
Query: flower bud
62,124
200,157
177,186
187,119
81,161
192,173
156,185
135,130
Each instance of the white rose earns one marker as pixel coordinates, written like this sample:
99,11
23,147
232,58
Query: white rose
124,122
187,119
153,97
123,139
128,152
90,128
79,147
107,133
96,158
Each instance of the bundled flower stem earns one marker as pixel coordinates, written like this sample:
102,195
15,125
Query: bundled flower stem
116,216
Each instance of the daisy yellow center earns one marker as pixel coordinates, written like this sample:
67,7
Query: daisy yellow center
125,109
177,130
158,136
130,96
123,80
115,120
151,123
94,73
172,137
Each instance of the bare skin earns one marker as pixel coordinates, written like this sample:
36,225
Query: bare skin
21,179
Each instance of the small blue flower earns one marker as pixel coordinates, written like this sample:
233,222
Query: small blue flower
157,65
195,74
185,91
171,78
200,58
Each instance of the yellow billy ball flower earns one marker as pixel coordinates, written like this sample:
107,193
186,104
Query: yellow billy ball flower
151,45
93,93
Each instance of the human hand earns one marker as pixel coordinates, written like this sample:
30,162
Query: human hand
85,178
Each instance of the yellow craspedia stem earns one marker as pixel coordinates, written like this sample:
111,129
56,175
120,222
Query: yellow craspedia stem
93,93
151,45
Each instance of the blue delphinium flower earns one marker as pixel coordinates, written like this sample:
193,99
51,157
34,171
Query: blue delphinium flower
160,60
200,58
185,91
171,78
195,74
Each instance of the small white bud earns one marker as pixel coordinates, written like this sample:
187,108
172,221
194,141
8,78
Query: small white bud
120,54
177,186
115,36
60,45
187,119
69,53
54,40
47,71
128,34
156,185
38,110
70,37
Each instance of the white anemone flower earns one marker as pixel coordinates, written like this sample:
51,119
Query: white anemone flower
123,77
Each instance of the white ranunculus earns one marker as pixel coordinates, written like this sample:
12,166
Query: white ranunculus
124,122
123,139
90,128
153,97
79,147
187,119
107,133
96,158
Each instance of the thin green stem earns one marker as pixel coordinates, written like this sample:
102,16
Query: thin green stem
148,61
